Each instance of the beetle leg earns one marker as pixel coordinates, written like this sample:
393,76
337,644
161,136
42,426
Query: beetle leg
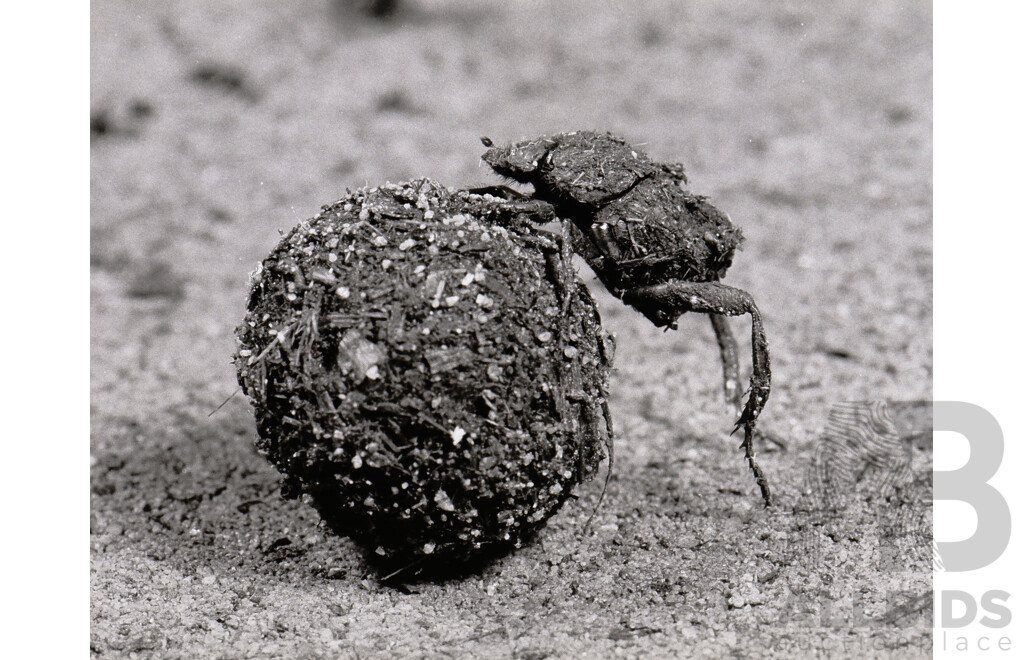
731,372
538,211
730,360
560,266
664,303
605,432
513,203
503,192
565,247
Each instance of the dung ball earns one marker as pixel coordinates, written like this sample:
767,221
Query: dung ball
427,369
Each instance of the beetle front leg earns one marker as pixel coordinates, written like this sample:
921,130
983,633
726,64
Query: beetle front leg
664,303
511,203
504,192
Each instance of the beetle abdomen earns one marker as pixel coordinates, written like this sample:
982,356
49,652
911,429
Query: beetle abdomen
657,232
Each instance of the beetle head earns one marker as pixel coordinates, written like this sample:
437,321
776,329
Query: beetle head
519,161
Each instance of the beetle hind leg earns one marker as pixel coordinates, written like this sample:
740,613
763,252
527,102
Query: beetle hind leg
664,303
731,372
730,361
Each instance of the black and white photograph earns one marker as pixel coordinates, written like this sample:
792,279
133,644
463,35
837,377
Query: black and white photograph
526,330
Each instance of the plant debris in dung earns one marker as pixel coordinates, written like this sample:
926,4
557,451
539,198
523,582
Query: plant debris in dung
427,369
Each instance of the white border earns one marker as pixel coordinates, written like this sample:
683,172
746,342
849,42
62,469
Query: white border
978,258
44,486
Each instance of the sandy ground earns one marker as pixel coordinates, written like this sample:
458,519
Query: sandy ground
216,125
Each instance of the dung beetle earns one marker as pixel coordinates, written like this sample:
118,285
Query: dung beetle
656,246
